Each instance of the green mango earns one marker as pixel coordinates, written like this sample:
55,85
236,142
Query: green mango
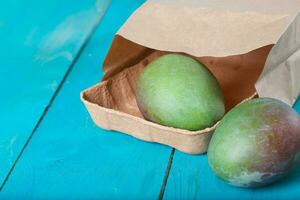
256,143
178,91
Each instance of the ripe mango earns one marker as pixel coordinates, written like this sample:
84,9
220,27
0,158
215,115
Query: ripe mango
256,143
178,91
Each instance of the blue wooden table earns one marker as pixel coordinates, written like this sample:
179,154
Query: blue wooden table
50,148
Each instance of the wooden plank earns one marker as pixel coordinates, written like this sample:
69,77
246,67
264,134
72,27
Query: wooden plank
70,158
39,41
191,178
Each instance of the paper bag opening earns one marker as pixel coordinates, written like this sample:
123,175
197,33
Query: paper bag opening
112,103
236,74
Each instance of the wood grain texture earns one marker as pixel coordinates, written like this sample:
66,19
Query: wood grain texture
70,158
39,41
191,178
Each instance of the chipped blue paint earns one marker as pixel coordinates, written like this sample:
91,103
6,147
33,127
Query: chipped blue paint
70,158
39,41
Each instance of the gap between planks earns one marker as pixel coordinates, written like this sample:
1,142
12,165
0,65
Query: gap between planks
165,181
56,92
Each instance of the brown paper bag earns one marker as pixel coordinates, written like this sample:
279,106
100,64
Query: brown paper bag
232,38
281,75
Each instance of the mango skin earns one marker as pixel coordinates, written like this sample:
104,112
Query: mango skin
178,91
256,143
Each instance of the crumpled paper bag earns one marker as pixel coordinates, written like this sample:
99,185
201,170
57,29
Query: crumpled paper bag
280,78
